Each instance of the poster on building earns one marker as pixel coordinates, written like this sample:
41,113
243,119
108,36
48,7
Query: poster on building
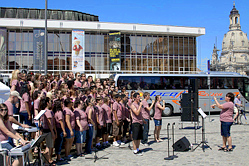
38,47
114,48
78,50
3,37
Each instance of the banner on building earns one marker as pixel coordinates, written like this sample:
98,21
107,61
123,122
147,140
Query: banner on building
114,48
3,39
78,50
38,47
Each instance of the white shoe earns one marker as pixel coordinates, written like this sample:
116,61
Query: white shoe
115,144
122,143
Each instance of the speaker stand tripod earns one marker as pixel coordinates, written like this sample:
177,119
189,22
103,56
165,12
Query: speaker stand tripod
203,142
95,157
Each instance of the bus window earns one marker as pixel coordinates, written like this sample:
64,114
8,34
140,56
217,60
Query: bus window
213,83
221,82
202,82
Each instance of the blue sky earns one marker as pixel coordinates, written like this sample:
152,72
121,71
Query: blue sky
210,14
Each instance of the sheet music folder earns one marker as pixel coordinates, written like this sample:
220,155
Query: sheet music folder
39,115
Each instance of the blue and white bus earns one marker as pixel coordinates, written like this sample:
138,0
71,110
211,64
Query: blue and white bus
171,86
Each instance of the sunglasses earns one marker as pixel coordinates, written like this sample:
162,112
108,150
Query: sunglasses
4,109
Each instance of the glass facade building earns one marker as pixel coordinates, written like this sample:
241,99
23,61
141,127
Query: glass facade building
141,51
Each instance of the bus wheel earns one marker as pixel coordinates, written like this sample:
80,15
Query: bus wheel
152,112
168,110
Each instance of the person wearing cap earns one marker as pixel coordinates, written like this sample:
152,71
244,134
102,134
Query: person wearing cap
13,98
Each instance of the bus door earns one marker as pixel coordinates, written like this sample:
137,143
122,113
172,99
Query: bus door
246,96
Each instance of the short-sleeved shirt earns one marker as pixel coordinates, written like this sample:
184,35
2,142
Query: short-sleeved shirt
237,101
10,107
49,114
101,115
123,111
117,107
69,112
77,83
145,112
58,116
17,84
226,114
82,117
93,116
36,107
137,118
108,114
25,98
3,136
158,112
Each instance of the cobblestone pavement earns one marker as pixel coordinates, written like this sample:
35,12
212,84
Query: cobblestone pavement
156,152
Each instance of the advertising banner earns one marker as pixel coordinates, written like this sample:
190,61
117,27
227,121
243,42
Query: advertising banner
78,50
3,39
38,47
114,48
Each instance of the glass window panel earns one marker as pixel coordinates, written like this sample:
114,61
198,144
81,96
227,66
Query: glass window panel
25,46
170,45
155,45
175,45
12,36
18,46
18,36
180,45
11,46
133,44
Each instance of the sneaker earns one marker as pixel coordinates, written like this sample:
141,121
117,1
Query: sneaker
139,153
99,147
122,143
115,144
108,144
67,158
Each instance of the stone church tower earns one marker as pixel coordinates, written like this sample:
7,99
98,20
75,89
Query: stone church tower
235,48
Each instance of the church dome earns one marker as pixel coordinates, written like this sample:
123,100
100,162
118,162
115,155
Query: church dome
236,39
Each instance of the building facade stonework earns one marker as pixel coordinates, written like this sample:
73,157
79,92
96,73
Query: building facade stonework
234,56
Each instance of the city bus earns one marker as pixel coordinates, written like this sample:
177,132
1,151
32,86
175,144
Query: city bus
171,86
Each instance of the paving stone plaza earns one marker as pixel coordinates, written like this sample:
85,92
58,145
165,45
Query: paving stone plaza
156,152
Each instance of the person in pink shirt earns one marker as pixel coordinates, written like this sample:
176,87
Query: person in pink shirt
226,119
7,131
77,81
146,115
137,122
158,117
117,121
108,118
60,128
25,109
15,81
81,126
70,126
101,130
47,120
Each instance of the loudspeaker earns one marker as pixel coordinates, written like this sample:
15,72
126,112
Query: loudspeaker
189,106
181,145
